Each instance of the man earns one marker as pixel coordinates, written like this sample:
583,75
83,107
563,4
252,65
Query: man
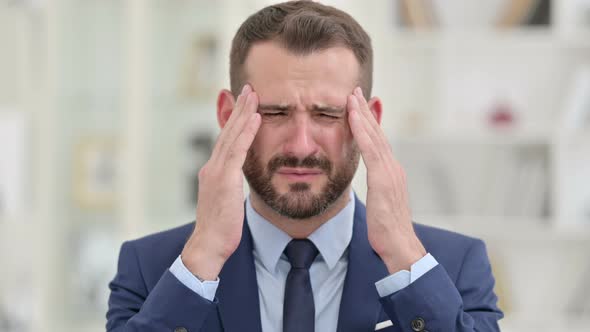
302,253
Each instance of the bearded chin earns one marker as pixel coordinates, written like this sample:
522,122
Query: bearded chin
299,202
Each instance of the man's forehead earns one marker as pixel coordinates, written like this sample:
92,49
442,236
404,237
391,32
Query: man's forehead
313,82
270,61
289,97
272,48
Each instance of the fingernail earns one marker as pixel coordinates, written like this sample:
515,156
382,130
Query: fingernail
246,88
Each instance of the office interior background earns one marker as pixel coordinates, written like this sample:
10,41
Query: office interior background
107,111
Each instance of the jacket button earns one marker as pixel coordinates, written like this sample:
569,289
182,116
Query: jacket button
180,329
418,324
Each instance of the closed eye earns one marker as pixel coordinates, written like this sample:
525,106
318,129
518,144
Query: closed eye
273,114
328,116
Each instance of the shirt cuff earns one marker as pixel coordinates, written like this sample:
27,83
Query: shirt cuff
205,288
404,278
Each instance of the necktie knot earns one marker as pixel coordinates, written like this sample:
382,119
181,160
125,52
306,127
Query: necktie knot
301,253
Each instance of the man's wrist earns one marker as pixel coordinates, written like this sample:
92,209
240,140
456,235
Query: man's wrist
402,259
203,257
203,267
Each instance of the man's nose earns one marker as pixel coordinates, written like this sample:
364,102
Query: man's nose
300,140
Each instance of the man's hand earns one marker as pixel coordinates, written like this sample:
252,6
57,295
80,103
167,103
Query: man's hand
389,219
220,209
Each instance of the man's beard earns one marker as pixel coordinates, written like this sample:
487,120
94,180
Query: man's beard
299,202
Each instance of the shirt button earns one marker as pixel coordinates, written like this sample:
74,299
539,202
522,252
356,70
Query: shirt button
418,324
180,329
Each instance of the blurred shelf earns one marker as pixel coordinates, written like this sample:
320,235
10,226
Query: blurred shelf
490,136
577,137
505,40
469,137
510,228
576,40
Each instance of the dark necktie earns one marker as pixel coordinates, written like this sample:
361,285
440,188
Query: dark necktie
298,309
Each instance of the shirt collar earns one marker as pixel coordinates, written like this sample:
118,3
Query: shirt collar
331,239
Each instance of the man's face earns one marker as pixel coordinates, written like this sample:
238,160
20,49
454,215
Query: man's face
303,157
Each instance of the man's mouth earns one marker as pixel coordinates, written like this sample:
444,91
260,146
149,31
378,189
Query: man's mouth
299,174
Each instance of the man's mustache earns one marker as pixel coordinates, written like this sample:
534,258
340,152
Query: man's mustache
308,162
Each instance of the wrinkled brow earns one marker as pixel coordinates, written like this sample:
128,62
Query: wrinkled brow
335,110
275,107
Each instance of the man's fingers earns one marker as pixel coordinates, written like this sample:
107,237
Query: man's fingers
235,123
363,104
365,111
360,131
229,124
250,106
235,114
375,131
365,118
371,140
238,151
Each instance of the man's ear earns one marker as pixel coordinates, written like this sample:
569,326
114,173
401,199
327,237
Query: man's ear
225,106
376,108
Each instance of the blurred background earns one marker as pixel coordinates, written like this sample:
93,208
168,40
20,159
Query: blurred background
107,111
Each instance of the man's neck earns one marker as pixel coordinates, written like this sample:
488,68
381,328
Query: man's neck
299,228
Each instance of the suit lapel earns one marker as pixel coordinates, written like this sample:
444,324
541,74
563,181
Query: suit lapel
238,289
360,306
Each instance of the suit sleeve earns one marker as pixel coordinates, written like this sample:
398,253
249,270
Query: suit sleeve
169,305
435,303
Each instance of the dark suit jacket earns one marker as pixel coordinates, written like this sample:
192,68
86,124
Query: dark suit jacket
457,295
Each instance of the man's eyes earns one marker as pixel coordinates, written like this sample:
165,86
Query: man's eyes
329,116
278,114
274,114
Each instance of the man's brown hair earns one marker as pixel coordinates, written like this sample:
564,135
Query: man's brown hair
301,27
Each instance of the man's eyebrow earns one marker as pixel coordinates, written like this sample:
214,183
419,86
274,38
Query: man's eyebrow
274,107
314,108
328,109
